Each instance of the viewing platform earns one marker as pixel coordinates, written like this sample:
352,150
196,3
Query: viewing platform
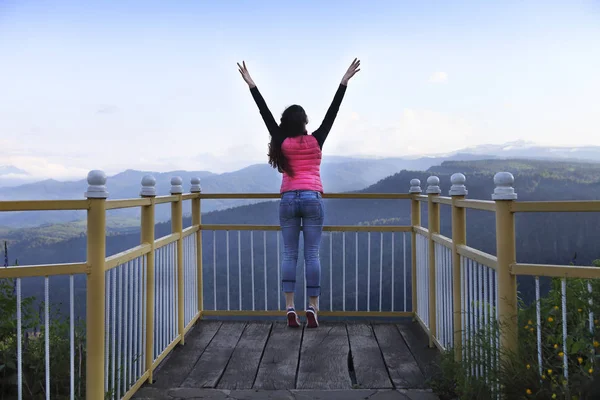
256,360
198,312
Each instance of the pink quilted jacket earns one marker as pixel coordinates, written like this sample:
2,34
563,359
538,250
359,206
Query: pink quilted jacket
304,158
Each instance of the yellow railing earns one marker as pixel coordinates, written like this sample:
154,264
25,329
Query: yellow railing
440,267
478,290
105,299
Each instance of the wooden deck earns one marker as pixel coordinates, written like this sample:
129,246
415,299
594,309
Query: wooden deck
270,356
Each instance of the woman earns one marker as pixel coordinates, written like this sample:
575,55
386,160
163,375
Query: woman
297,156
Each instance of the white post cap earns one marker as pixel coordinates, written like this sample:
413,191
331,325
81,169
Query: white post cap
433,185
415,186
96,185
458,187
176,185
148,186
504,186
195,185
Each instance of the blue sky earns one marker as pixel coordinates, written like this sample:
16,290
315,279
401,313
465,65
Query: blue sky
153,84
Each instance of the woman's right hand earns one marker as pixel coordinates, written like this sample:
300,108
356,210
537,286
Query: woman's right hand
246,75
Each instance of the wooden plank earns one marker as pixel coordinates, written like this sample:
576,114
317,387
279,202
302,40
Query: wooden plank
127,203
421,231
418,343
28,271
484,205
175,369
243,366
44,205
190,230
190,196
443,240
211,365
278,366
478,256
442,200
402,366
369,367
324,358
165,240
127,255
556,206
165,199
556,271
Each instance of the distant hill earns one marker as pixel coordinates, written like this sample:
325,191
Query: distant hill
13,176
527,150
549,238
339,175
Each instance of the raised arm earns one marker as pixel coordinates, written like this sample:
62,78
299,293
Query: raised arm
321,133
267,117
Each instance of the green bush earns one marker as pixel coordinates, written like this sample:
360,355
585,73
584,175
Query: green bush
33,349
517,375
33,338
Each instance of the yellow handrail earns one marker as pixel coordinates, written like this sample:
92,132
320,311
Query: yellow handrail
326,228
27,271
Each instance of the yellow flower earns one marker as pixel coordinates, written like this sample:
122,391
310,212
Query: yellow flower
528,366
526,326
529,322
549,372
555,346
553,395
580,360
531,329
596,321
561,354
556,307
528,391
543,376
550,319
579,309
590,370
596,344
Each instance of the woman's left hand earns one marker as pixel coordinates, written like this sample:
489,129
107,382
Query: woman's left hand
246,75
352,69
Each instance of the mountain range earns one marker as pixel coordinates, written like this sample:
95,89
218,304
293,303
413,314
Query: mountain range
339,174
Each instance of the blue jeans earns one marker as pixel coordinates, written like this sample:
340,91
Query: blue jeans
301,207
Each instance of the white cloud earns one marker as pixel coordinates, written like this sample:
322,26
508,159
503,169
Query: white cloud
42,168
412,132
438,77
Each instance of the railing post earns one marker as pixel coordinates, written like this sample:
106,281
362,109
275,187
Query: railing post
96,256
458,191
147,236
197,221
504,195
433,217
177,227
415,216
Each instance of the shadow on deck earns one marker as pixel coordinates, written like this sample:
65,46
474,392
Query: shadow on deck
268,360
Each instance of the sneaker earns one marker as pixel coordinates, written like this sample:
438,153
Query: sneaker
311,317
292,318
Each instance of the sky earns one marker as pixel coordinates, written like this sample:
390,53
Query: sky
153,85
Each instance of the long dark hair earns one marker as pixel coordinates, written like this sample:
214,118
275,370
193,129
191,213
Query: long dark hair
293,123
